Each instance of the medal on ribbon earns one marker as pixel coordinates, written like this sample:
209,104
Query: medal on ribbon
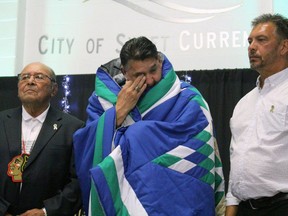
16,167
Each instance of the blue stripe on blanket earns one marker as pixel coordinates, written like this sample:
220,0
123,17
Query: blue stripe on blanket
104,190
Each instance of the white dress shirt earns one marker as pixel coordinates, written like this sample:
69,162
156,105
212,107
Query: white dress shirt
30,129
259,142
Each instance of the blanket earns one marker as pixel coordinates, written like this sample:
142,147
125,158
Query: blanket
163,160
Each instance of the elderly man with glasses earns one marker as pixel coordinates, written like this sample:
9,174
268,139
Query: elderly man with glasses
38,139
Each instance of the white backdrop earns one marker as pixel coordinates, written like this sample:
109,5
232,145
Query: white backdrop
77,36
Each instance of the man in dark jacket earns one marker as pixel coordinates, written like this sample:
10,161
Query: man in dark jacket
37,175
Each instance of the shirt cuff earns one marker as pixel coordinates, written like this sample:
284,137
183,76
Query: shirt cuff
45,212
231,200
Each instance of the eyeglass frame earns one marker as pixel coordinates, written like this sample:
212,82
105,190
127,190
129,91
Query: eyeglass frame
28,76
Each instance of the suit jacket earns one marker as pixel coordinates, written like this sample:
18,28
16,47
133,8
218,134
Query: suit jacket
49,178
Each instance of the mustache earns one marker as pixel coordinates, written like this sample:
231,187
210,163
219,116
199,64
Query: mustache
254,56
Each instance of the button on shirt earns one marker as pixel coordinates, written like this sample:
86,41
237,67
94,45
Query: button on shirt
259,143
30,129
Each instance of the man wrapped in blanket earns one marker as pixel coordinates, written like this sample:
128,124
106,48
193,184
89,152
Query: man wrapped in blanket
148,146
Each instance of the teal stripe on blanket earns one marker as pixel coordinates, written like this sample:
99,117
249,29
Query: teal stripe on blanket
97,158
104,92
110,173
166,160
99,141
96,209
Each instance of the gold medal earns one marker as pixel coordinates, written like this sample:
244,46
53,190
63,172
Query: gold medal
16,167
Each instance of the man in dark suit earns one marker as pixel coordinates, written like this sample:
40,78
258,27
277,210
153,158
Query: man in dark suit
37,175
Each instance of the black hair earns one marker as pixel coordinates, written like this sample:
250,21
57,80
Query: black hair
139,48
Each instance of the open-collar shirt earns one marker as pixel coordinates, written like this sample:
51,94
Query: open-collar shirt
30,129
259,143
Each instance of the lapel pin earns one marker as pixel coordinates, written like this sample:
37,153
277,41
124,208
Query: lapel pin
272,109
55,127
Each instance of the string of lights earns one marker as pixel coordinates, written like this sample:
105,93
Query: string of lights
65,100
186,78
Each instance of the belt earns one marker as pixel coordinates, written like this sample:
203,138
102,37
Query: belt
265,201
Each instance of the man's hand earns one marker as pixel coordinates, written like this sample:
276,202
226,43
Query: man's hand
34,212
128,98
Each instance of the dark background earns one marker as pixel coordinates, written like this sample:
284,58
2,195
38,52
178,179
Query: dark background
222,89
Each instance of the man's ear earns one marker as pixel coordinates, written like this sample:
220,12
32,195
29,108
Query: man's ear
284,50
54,88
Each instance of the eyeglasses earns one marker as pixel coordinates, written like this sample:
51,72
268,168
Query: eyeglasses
39,77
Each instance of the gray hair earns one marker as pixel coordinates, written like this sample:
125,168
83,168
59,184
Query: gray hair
278,20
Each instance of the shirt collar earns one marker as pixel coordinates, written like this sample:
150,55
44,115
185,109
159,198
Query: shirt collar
41,118
274,79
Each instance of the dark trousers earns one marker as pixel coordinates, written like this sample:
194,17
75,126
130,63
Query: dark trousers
277,209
